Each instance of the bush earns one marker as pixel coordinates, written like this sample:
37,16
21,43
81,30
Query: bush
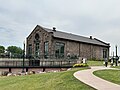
80,65
73,57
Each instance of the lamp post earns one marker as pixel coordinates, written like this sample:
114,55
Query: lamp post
23,56
113,58
116,57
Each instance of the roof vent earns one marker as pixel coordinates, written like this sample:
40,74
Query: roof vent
90,37
54,29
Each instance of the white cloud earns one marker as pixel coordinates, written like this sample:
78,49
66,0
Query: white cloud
100,18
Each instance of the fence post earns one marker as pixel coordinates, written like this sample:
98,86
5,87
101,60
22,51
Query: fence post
9,69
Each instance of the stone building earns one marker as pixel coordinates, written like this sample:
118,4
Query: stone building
51,43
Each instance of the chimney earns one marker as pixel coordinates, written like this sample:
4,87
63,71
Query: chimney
54,29
90,37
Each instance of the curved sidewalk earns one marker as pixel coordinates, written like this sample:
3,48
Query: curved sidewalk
87,77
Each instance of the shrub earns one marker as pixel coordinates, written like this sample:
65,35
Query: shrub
80,65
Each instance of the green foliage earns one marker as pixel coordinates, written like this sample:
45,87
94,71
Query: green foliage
80,65
48,81
110,75
116,67
2,49
15,51
73,57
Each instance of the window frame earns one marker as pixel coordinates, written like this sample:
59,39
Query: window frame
46,49
59,53
105,53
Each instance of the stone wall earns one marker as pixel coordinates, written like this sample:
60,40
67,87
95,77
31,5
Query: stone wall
89,51
85,50
44,36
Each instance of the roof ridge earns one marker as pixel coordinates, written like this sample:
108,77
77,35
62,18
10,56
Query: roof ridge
67,33
71,36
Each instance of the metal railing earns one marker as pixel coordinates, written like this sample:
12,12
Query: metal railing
38,63
41,57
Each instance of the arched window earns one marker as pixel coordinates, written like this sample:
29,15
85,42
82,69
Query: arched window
37,45
37,36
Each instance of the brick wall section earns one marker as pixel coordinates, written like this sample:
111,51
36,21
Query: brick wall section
73,47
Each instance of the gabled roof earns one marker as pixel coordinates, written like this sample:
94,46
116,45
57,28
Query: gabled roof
69,36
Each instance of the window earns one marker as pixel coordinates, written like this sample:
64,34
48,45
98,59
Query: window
37,36
59,50
30,49
46,50
104,53
37,45
37,51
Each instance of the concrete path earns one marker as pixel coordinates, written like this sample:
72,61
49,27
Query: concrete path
89,78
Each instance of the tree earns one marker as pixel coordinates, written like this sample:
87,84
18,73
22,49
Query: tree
14,51
2,49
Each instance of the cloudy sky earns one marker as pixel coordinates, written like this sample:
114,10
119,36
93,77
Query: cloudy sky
99,18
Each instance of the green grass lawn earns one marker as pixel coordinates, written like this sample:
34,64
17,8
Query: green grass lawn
110,75
95,63
48,81
116,67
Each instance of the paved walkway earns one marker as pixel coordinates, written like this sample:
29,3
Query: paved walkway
89,78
